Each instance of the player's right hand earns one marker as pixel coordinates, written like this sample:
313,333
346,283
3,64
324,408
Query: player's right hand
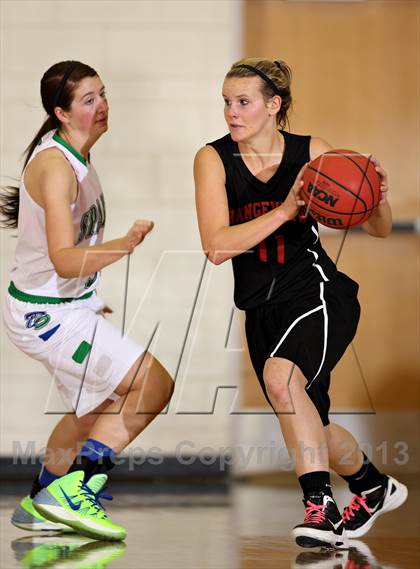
292,204
137,233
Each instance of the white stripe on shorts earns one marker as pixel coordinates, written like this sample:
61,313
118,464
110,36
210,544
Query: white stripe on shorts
315,254
324,351
322,307
316,233
292,325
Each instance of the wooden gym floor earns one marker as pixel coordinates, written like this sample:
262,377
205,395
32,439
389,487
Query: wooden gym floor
244,527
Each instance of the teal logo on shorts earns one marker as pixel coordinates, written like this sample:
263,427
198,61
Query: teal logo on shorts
37,319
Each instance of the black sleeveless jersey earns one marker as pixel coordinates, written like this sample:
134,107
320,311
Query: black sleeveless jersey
290,260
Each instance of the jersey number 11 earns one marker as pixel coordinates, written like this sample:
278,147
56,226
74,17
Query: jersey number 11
263,253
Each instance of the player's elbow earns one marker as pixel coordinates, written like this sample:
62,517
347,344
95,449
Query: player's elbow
215,257
63,272
62,268
214,254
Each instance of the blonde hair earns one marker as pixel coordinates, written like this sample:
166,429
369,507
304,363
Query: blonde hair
275,79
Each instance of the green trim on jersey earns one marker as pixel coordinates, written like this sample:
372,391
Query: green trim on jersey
58,139
32,298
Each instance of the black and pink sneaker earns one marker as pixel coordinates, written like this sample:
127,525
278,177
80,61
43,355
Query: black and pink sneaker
364,509
323,525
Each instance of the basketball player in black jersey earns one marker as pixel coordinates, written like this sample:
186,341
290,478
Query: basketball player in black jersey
301,312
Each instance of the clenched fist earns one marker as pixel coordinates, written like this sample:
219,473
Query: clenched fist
137,233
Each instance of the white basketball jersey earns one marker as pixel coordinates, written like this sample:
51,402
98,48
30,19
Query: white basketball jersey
32,273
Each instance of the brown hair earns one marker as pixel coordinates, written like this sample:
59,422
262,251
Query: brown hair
278,78
57,90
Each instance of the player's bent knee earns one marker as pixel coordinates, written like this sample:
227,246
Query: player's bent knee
279,394
281,377
276,383
133,377
146,371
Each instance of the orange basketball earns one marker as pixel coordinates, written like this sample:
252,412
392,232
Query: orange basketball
341,188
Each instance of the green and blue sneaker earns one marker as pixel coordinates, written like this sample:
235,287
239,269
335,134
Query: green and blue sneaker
26,517
71,501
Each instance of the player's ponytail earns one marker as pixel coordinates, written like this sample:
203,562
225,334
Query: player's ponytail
276,77
57,90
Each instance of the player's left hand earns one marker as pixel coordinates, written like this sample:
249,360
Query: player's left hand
384,180
107,310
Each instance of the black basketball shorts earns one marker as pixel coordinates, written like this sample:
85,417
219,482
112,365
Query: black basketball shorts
312,331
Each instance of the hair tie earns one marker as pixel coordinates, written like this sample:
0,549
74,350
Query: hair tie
62,84
263,76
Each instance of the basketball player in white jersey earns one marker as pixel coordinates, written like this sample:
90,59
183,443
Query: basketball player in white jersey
52,312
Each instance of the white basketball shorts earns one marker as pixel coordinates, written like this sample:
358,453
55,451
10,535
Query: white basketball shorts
85,353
